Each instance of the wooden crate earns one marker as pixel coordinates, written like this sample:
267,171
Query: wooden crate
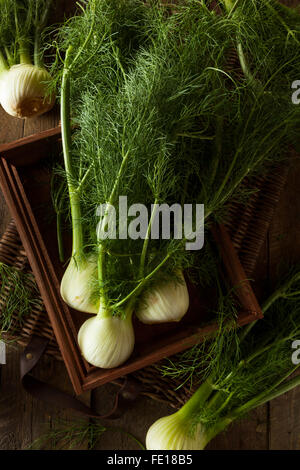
25,182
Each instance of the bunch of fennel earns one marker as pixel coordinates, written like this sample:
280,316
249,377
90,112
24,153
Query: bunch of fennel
259,371
111,163
152,114
23,76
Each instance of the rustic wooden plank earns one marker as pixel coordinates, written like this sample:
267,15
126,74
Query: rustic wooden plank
23,419
285,248
46,417
247,434
285,422
136,420
250,433
11,128
41,123
12,404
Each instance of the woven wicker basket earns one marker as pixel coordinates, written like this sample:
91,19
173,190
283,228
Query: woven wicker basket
248,225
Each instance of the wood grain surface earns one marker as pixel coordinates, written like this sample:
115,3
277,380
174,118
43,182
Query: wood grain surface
272,426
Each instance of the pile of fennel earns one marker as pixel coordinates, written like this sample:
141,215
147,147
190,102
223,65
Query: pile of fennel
23,76
157,107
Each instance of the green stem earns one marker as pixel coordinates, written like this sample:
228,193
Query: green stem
59,237
250,405
197,401
224,182
220,400
24,52
241,178
217,401
219,395
37,56
119,175
81,49
102,252
218,428
279,293
80,185
10,57
40,25
146,241
141,284
77,232
264,397
285,9
244,64
228,5
218,148
101,266
246,70
3,63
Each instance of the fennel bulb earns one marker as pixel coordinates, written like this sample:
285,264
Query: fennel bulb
75,287
106,341
23,91
166,303
23,77
180,430
172,433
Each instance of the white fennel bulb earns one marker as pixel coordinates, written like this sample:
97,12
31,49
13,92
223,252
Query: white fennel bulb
106,341
166,303
184,430
76,285
173,433
23,91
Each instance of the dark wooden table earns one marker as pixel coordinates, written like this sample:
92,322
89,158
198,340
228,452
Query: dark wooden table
273,426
